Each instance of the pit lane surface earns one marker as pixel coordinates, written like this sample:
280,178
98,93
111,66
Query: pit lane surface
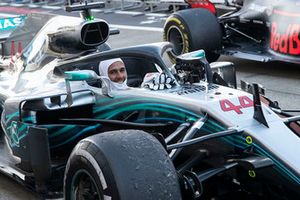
281,80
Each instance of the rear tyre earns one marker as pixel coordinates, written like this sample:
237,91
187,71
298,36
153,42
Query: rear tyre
127,165
193,29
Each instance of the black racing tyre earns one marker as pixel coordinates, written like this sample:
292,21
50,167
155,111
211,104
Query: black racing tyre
193,29
120,165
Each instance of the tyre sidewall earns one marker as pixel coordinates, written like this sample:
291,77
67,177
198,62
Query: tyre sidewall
133,165
90,160
199,29
175,22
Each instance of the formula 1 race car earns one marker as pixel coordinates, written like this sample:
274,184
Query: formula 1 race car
66,132
251,29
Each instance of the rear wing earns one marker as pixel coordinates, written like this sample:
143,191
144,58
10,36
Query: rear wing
4,35
7,26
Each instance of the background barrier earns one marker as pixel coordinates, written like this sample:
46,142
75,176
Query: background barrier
123,5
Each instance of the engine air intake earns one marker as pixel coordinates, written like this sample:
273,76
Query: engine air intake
85,36
94,33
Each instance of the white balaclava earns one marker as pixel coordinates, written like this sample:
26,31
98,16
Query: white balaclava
103,70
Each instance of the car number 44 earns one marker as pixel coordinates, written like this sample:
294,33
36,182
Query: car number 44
244,102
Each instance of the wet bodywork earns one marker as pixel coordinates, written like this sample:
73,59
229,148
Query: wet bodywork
232,151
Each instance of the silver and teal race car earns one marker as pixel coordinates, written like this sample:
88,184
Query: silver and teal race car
67,133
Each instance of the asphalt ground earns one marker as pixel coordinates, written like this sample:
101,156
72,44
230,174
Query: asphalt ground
281,80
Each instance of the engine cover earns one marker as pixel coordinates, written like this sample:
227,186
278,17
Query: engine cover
87,35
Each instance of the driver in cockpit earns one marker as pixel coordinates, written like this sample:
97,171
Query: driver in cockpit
115,70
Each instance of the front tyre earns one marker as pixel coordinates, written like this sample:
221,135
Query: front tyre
127,165
193,29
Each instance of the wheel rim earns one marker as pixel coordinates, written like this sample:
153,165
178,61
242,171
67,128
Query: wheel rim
176,38
84,187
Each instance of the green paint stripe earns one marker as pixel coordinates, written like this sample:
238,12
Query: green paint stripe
137,100
23,135
10,116
63,130
158,104
87,129
233,143
22,128
215,125
160,119
111,114
240,140
150,104
278,163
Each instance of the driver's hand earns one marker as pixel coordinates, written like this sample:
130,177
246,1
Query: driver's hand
157,81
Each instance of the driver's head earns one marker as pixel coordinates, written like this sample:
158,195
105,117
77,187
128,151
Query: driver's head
114,69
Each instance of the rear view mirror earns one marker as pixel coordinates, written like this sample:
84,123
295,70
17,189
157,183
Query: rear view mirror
85,75
224,74
81,75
